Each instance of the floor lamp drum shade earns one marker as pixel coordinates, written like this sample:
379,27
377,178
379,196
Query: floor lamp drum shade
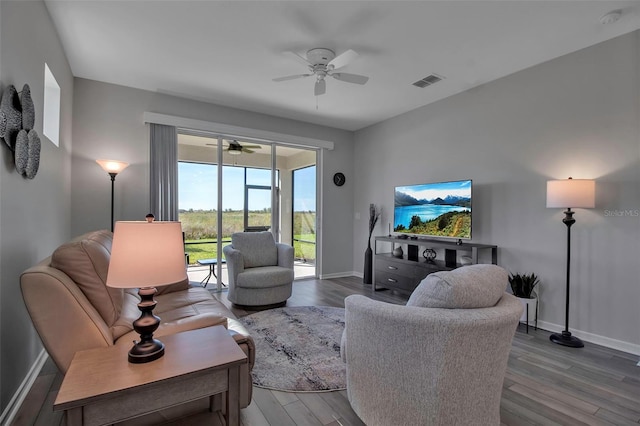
571,193
146,255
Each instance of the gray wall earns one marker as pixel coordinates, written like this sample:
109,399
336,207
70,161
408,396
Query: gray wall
34,214
577,116
108,123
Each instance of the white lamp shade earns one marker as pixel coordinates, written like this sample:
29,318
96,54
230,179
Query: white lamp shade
146,254
571,193
112,166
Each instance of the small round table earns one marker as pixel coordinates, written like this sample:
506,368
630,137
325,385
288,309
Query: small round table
212,269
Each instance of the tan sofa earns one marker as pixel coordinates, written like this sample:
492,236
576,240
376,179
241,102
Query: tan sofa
72,309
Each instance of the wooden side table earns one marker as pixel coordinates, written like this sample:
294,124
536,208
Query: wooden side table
101,387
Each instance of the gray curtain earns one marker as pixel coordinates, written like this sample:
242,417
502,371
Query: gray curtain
164,172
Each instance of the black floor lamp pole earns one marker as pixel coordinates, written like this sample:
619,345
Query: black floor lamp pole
113,180
565,338
112,167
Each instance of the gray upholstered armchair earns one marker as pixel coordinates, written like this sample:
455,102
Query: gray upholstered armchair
439,360
260,270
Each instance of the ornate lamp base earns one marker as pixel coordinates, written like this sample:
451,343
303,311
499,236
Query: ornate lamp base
566,339
146,352
148,348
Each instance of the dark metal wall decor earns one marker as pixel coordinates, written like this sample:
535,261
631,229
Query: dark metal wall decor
17,119
10,116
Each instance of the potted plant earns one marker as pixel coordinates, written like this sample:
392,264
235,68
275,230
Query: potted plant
522,286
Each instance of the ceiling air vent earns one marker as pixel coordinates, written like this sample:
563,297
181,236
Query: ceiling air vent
428,81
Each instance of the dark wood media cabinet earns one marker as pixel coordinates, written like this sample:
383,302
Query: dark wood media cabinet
404,275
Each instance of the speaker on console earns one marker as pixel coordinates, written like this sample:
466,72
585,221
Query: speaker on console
450,258
412,252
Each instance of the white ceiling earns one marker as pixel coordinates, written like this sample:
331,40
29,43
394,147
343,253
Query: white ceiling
228,52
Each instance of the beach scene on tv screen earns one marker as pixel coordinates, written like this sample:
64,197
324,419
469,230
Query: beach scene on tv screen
434,209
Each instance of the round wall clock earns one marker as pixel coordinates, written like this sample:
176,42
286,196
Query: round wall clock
339,179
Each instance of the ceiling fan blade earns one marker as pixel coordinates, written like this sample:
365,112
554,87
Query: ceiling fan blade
252,146
248,151
292,77
297,57
350,78
343,59
320,88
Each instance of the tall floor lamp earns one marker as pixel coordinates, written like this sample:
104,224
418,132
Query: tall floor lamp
569,193
113,167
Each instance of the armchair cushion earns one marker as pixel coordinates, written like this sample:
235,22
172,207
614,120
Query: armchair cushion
86,261
265,277
468,287
257,248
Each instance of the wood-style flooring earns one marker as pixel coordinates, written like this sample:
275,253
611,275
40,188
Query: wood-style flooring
545,384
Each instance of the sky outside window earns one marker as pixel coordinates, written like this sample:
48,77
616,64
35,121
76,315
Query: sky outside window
198,187
304,190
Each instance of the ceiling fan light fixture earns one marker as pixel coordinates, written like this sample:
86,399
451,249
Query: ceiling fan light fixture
234,151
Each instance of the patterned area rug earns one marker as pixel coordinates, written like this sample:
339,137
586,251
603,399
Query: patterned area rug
298,348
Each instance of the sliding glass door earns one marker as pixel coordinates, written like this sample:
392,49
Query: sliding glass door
228,186
304,216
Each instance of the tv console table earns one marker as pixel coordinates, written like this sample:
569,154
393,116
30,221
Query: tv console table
405,273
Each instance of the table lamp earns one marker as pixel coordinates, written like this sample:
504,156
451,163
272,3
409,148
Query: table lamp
146,255
568,193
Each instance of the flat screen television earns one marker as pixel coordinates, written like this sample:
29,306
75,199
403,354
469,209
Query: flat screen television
441,209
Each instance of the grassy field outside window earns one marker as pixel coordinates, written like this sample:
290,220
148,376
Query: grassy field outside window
200,228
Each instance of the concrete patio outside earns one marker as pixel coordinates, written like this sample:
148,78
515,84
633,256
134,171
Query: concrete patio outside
198,273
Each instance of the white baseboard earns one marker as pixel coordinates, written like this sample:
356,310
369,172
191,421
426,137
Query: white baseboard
340,275
10,412
620,345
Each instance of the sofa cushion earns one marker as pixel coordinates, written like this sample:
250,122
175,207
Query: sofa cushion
257,248
468,287
86,261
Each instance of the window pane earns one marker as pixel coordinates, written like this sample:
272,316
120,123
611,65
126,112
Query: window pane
258,177
51,110
304,213
197,186
233,188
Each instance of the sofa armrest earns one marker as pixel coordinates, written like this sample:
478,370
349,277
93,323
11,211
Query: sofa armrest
245,342
242,336
285,255
235,263
63,332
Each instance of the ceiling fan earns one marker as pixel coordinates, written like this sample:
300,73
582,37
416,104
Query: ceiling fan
323,62
235,148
